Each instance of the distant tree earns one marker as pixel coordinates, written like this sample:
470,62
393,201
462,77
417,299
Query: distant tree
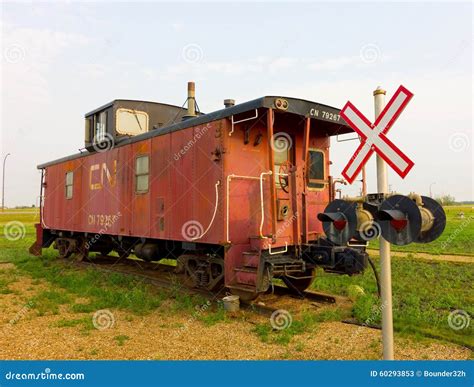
33,206
446,200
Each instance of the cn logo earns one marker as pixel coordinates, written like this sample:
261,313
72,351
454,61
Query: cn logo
100,174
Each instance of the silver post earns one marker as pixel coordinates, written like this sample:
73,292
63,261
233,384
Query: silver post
3,182
386,271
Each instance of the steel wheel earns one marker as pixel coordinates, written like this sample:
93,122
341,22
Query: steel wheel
301,284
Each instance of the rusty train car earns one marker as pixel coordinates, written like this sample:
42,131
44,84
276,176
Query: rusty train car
232,195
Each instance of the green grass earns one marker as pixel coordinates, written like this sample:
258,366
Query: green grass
214,317
26,217
4,282
121,339
49,301
307,322
457,238
85,323
103,290
424,294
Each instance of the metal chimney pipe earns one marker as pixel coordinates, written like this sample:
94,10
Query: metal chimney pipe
191,99
229,103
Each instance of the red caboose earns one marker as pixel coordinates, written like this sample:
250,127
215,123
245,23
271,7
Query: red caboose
232,195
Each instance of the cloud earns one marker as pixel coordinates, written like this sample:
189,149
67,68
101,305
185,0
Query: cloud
27,55
203,68
334,63
41,46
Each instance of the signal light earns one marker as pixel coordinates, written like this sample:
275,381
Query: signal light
399,219
339,221
403,220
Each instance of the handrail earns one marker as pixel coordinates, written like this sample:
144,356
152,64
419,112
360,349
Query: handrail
261,201
277,252
243,120
229,178
213,215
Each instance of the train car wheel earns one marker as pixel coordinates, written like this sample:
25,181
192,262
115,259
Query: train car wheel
202,271
106,251
299,285
63,247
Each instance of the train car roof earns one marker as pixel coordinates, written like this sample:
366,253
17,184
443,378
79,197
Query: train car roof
297,106
112,103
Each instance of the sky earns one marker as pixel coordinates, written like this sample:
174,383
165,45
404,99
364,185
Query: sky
63,59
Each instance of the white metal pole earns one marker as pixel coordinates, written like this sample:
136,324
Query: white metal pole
386,270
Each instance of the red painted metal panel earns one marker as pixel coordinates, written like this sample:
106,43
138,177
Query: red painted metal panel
184,169
161,204
208,172
182,172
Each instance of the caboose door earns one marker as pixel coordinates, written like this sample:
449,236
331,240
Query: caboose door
283,163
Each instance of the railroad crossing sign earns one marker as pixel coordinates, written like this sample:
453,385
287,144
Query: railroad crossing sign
373,137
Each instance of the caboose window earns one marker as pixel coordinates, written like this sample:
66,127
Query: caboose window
131,122
69,184
101,127
316,178
142,171
281,155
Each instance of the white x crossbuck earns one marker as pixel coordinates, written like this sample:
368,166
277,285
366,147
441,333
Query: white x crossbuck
373,136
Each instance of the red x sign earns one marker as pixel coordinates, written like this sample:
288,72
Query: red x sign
373,136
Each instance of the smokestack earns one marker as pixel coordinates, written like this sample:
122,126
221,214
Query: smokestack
191,99
229,103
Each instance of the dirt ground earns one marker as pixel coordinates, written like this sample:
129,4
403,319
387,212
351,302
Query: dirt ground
170,334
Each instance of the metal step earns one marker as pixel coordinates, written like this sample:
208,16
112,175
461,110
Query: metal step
251,258
246,269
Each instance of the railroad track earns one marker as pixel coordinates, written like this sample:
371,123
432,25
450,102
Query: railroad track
164,276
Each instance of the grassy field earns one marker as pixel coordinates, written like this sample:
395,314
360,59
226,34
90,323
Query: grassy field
425,293
457,238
